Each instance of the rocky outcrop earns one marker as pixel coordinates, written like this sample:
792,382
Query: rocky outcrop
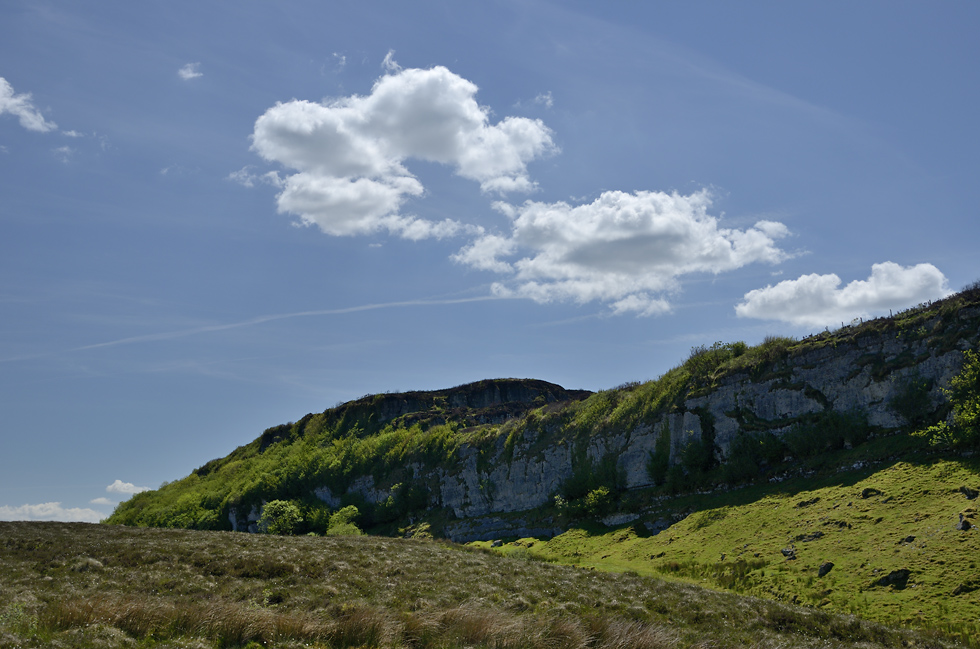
863,374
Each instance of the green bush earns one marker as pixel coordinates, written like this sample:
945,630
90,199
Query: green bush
280,517
598,502
342,522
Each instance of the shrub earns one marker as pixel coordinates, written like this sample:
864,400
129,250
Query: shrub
598,502
279,517
342,522
703,361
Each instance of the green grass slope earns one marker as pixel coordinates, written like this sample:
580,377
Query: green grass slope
893,533
107,587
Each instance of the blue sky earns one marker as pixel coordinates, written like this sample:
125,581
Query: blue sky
217,217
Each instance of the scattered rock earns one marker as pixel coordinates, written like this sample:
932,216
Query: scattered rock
496,544
807,503
967,587
870,491
908,539
615,520
970,494
809,537
897,579
789,553
657,526
84,564
964,525
824,568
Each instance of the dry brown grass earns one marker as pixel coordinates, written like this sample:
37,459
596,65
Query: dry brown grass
159,588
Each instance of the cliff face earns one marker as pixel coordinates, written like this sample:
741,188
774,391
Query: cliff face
864,373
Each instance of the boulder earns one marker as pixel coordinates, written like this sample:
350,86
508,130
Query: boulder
897,579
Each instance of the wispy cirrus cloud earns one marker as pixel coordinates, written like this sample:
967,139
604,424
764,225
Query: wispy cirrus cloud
819,301
22,107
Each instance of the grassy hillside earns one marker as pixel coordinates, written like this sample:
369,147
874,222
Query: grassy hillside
892,531
98,586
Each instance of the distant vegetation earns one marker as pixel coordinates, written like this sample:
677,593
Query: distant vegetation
108,587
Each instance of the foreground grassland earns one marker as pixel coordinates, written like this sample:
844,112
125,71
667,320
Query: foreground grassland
893,533
77,585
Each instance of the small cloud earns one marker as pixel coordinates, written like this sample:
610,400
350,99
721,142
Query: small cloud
52,511
819,301
120,487
389,63
22,107
72,134
545,99
246,178
190,71
177,170
340,59
63,153
101,501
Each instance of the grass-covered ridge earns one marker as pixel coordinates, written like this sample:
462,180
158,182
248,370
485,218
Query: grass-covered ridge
97,586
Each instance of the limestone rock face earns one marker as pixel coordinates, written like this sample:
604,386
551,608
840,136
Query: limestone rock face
863,374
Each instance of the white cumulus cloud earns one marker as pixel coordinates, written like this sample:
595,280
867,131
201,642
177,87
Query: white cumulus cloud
50,512
190,71
21,107
819,301
624,249
101,501
120,487
349,154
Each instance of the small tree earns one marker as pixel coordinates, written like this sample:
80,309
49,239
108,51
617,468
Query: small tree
279,517
342,522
